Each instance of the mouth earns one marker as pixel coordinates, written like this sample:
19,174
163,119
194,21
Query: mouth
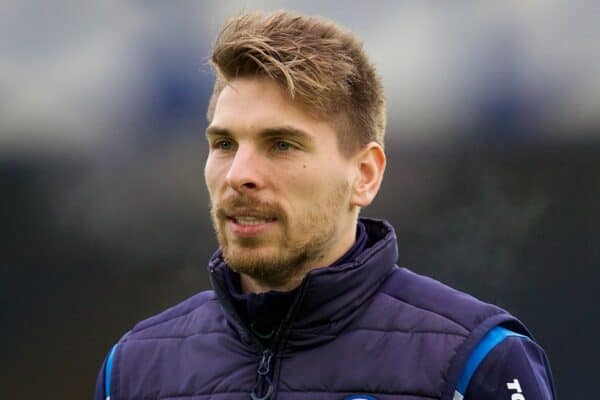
245,225
249,220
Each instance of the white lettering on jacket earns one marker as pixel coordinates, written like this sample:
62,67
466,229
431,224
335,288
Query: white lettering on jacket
516,386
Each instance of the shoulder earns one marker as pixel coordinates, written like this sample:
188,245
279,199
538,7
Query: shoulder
194,315
459,309
162,339
432,306
515,365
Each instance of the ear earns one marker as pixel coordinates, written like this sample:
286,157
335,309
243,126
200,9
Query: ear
370,162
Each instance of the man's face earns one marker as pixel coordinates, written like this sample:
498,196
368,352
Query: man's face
279,186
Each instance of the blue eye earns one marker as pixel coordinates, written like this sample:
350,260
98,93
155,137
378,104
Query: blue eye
225,145
283,146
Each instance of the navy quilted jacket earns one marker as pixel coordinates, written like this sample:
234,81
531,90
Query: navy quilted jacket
365,328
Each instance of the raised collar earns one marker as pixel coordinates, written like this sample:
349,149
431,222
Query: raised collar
329,297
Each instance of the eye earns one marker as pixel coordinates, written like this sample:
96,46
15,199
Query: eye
281,145
223,144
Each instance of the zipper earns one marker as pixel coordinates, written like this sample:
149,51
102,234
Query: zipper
264,381
263,390
264,387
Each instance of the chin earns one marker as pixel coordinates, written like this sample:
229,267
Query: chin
268,266
242,258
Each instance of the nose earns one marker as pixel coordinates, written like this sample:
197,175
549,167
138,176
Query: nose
244,171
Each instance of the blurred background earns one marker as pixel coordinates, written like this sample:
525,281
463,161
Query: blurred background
492,184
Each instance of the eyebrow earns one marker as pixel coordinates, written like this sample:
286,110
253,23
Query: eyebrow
216,131
286,131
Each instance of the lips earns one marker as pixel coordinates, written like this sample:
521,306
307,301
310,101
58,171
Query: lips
247,226
247,220
248,217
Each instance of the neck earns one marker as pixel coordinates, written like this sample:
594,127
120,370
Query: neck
251,285
347,239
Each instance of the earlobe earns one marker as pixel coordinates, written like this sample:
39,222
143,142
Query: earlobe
371,163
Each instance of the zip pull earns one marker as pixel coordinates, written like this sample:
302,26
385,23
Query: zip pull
264,369
265,363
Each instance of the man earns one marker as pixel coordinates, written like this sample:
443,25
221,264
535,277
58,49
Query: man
308,302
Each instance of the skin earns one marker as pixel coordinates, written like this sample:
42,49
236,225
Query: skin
284,200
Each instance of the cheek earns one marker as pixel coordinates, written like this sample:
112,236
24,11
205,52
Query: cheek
208,181
330,190
212,172
312,186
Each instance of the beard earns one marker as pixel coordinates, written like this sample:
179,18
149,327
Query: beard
299,242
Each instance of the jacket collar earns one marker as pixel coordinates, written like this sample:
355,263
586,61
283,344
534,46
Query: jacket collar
330,297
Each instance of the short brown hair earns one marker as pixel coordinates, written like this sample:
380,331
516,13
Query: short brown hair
320,64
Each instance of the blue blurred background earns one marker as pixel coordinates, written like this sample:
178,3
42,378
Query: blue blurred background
493,178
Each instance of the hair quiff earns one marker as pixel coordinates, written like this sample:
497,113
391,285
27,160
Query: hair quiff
320,65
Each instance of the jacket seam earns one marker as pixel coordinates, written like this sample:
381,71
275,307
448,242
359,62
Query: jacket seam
462,352
402,331
134,330
174,396
537,382
174,337
428,310
408,332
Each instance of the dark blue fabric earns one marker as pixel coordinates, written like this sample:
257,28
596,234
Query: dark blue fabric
514,358
488,343
100,382
364,327
263,312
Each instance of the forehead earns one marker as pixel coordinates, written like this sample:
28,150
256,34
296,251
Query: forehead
252,104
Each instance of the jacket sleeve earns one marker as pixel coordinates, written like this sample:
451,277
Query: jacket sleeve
99,393
516,368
